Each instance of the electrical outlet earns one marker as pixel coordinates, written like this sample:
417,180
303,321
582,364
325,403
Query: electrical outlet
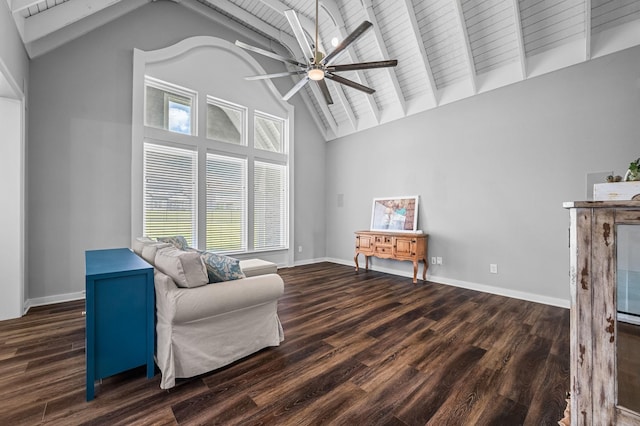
433,260
439,261
493,268
299,249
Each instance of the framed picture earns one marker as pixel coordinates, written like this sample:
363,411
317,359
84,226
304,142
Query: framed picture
399,214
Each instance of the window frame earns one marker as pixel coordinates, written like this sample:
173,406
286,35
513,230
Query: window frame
244,111
169,90
283,140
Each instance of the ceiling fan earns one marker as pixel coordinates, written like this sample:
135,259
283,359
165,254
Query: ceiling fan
319,66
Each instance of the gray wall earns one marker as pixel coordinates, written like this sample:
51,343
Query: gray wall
492,172
79,147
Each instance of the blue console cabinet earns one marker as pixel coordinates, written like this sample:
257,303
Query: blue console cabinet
120,307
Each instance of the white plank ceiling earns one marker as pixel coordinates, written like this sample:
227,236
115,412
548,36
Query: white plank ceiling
446,49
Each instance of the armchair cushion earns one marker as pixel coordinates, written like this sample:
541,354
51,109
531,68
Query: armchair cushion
185,267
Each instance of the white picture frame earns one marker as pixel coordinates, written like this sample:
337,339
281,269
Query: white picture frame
395,214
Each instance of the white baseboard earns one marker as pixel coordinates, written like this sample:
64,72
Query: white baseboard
522,295
49,300
500,291
531,297
311,261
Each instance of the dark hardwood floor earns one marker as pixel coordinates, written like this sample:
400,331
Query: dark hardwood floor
361,348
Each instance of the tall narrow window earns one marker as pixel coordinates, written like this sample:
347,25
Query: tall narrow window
226,203
170,192
169,107
268,132
270,206
226,122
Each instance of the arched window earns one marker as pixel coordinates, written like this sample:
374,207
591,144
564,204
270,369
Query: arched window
211,151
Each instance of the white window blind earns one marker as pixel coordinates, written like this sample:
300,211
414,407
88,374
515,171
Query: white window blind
270,206
226,203
170,192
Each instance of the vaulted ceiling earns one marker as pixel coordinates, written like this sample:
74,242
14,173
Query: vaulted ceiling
446,49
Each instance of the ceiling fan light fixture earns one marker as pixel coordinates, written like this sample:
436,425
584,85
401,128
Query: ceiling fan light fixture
317,65
316,74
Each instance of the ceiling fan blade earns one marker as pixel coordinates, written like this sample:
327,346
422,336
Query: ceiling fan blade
269,54
295,88
278,74
325,91
362,66
346,42
296,26
349,83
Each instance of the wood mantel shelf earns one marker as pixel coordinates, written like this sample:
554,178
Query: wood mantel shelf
393,245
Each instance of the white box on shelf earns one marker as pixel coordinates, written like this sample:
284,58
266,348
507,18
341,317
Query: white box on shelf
616,191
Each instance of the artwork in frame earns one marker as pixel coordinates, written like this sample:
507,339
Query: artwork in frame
397,214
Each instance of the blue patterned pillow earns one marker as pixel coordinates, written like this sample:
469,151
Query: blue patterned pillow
221,268
178,241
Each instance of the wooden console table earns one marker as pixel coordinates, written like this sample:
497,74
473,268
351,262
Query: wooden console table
393,245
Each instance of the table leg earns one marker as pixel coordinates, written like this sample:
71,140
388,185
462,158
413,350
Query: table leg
366,262
355,259
424,271
415,271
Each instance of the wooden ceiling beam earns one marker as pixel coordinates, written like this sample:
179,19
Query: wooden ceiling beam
371,16
587,30
522,53
307,24
55,18
411,16
18,6
249,19
462,24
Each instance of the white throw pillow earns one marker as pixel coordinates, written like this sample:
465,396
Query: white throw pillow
185,267
149,250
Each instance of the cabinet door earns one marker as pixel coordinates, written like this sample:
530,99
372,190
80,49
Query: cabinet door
364,243
404,247
120,324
